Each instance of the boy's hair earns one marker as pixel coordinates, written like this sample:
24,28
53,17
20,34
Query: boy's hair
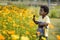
45,8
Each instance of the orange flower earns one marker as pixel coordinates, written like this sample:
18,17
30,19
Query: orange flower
2,37
51,26
58,37
11,32
38,33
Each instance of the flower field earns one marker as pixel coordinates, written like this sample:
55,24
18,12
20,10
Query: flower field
16,23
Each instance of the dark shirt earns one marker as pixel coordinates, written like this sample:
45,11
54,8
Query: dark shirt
40,26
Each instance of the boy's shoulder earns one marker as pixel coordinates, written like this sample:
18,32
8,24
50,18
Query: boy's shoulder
44,17
47,16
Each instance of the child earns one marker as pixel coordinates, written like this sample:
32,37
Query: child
43,21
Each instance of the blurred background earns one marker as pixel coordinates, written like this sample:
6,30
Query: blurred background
16,19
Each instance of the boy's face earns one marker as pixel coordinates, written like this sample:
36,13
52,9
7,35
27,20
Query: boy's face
42,12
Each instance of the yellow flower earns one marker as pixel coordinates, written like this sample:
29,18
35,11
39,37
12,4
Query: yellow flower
34,35
11,32
43,38
4,31
4,15
0,11
3,23
9,19
1,14
20,14
15,37
22,26
27,32
6,11
14,25
0,7
21,18
31,23
4,26
17,16
24,38
25,14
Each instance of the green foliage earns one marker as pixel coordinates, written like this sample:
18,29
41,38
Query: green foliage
53,13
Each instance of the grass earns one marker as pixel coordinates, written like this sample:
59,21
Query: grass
56,23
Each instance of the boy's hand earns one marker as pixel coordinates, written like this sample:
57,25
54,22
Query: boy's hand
36,22
33,16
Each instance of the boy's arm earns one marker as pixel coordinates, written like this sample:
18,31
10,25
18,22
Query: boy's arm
40,23
36,22
43,24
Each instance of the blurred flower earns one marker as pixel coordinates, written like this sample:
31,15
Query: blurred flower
14,25
20,14
24,38
4,31
9,19
58,37
31,23
11,32
34,35
1,14
27,32
4,26
38,33
3,23
51,26
22,26
21,18
2,37
43,38
15,37
8,15
53,33
7,11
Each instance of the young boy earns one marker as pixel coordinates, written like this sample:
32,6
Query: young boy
43,21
